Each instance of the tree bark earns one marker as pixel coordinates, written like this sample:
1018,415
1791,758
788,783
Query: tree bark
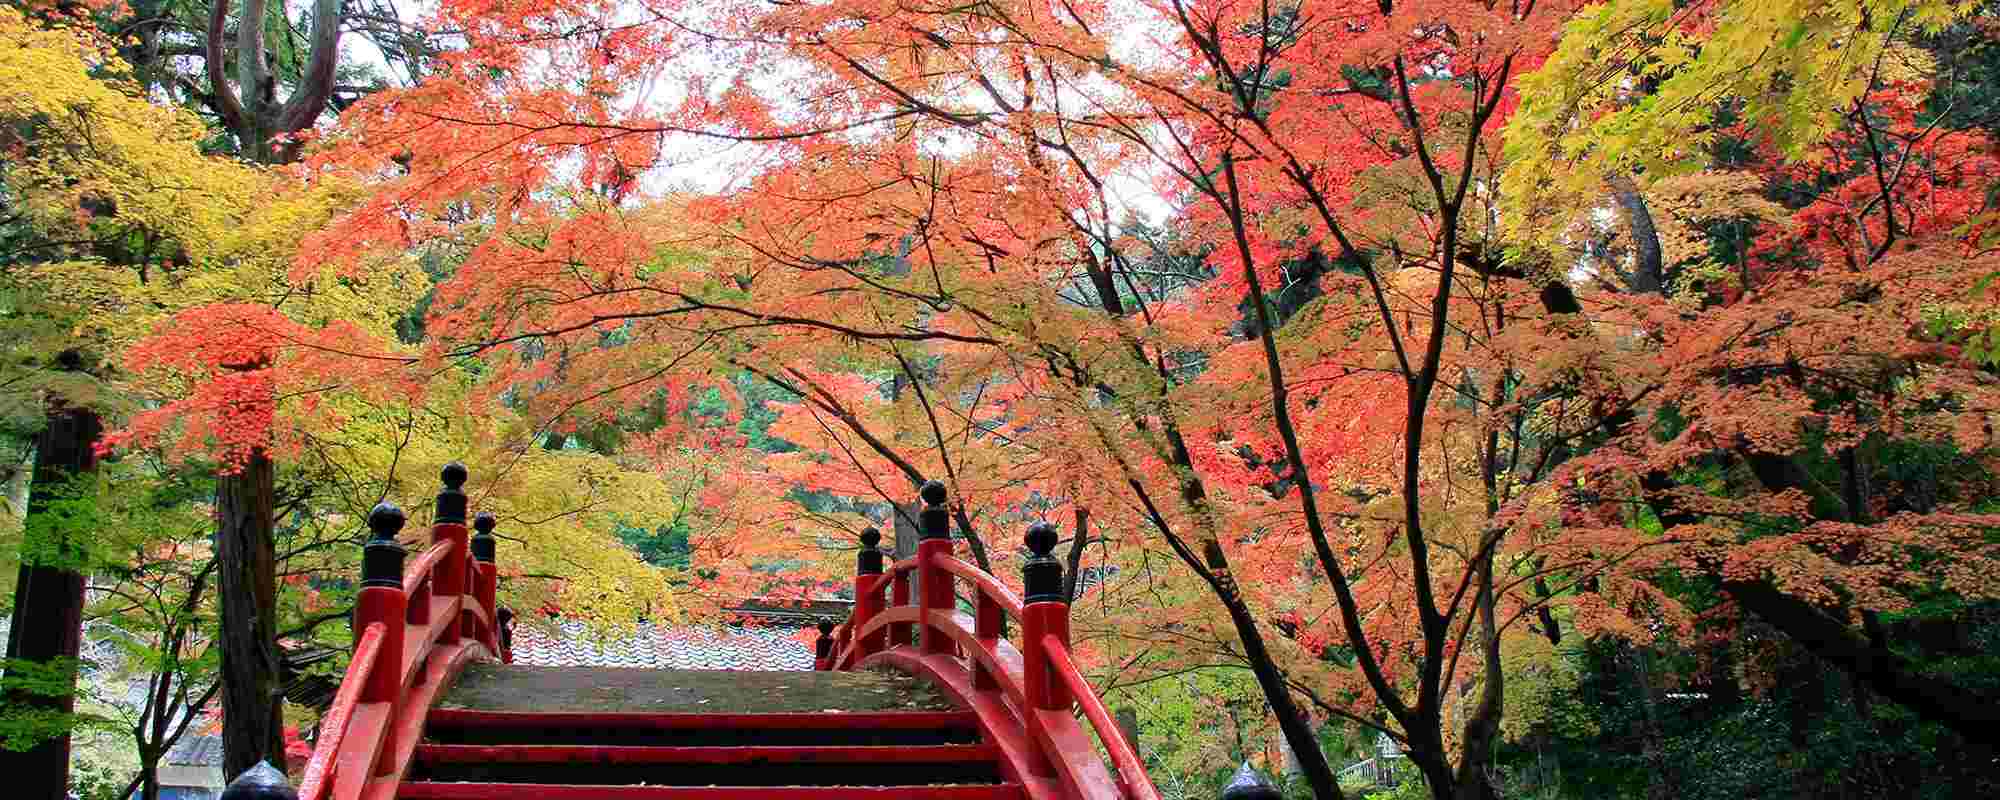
1968,711
1972,714
1073,572
252,699
1292,720
149,779
1648,274
48,602
252,111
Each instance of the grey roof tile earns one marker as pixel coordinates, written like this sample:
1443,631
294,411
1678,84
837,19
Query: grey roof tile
764,647
196,750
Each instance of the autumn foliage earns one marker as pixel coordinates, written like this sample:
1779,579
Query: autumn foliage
1388,344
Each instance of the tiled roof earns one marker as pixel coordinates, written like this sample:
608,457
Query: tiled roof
763,647
196,750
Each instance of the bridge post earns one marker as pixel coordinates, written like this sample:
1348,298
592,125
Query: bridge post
381,600
261,782
449,526
823,647
867,592
988,625
899,596
933,582
1249,784
1044,613
485,579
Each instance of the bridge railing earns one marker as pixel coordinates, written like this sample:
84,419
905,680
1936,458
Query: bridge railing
416,628
1026,690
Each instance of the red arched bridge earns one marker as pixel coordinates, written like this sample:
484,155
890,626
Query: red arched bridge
432,709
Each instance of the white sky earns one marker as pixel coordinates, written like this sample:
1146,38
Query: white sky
706,165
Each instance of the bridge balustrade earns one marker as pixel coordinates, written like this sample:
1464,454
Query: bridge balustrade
416,628
1026,690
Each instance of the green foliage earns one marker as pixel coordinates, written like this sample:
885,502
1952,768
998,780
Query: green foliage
1693,731
1409,784
67,524
23,728
666,545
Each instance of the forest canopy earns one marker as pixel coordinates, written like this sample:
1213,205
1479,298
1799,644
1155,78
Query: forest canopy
1579,399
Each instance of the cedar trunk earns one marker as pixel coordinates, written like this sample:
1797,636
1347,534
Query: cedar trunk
252,712
48,600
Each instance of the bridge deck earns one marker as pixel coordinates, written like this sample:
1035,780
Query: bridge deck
495,687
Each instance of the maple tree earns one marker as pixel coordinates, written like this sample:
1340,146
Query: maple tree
1770,401
78,151
869,243
162,266
933,196
1471,330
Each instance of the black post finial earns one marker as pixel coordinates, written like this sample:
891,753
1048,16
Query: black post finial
1250,784
382,557
482,537
1042,575
869,561
261,782
935,518
451,500
824,646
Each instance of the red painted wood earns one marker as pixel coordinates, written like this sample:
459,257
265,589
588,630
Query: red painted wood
934,584
588,754
440,670
487,586
986,627
319,770
418,605
354,762
1021,760
365,750
381,606
546,791
897,720
1055,732
989,586
449,581
1067,751
1131,771
899,598
425,566
867,600
1039,622
998,656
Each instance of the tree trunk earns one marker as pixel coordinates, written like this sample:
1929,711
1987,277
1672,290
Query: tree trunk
1079,539
1648,273
48,606
1292,720
149,779
252,710
1481,733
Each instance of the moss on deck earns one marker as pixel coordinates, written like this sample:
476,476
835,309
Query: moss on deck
505,687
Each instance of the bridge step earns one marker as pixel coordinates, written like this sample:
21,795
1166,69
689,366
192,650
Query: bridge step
831,728
540,733
710,766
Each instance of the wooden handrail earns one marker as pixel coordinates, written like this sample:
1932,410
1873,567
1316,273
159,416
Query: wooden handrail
1026,696
421,569
1131,770
333,728
987,584
415,629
